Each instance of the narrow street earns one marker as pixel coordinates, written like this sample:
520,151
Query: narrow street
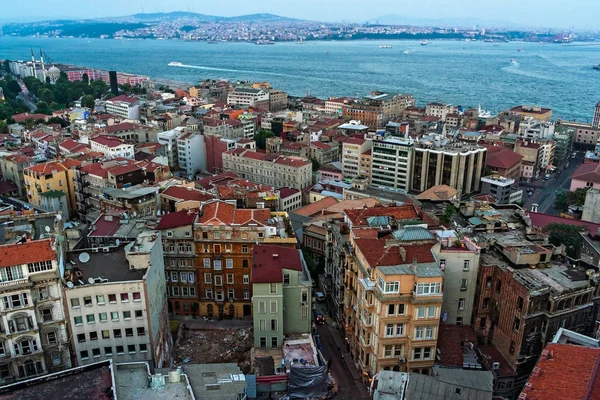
351,386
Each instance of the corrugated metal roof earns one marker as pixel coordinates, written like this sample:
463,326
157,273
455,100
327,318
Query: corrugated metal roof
410,233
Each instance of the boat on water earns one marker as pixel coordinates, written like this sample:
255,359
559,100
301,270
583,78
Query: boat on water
406,52
385,47
513,61
425,42
481,113
263,42
175,64
597,67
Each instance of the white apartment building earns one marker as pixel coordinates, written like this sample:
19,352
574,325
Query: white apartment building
270,169
352,149
534,129
169,140
439,110
116,303
33,332
191,153
123,106
112,147
391,161
247,97
547,153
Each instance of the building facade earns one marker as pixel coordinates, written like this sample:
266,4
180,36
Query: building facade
124,106
391,163
52,176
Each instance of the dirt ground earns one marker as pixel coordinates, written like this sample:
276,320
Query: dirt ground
205,346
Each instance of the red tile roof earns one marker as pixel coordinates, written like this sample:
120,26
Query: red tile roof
73,146
29,252
124,98
186,194
491,354
223,178
95,169
218,212
501,157
176,219
286,192
377,253
358,217
565,372
125,126
123,169
269,261
110,141
316,207
320,145
47,168
106,224
542,220
355,141
450,343
587,173
25,116
8,187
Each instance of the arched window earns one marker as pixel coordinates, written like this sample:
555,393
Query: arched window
26,345
20,322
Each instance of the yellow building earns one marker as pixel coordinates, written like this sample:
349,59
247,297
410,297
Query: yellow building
44,182
393,301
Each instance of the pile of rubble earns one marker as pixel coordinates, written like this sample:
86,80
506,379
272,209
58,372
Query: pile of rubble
205,346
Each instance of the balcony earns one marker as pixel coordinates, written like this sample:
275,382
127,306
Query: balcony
436,297
365,343
17,282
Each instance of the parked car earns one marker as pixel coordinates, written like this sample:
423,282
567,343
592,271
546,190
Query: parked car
320,319
320,296
546,177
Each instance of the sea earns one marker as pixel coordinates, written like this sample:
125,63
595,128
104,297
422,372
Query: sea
462,73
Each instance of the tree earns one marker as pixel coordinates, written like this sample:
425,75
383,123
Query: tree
47,96
565,234
578,196
57,120
85,79
54,106
261,138
43,108
13,86
3,127
315,164
561,201
448,213
88,101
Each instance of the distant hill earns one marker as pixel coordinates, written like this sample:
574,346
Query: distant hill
171,16
464,22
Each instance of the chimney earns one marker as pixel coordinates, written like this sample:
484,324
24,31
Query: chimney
537,371
414,264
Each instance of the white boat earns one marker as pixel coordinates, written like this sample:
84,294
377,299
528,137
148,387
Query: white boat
406,52
175,64
385,47
483,113
513,61
425,42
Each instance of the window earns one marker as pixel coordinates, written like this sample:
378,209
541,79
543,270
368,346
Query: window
124,297
78,321
511,350
169,233
39,266
391,309
244,249
131,348
488,282
183,276
46,314
392,330
207,278
273,307
304,312
105,334
466,265
94,335
263,342
419,333
244,263
141,331
206,262
218,280
128,332
174,276
100,299
90,318
461,304
138,314
463,284
417,353
114,315
230,293
137,296
108,351
520,303
229,263
87,301
81,338
262,307
428,289
286,279
143,348
426,353
421,312
429,332
116,333
273,288
482,323
84,354
126,315
217,265
229,279
274,342
209,293
486,303
75,303
15,301
112,298
120,350
431,311
498,286
11,273
273,324
50,338
102,317
389,287
192,291
246,279
516,324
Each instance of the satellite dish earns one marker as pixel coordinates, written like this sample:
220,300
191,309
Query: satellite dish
118,242
84,257
47,229
91,281
58,217
70,285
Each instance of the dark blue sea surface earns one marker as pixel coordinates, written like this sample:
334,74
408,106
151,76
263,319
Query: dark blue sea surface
457,72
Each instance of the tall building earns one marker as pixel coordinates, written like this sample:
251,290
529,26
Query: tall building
33,330
56,178
352,151
225,237
191,153
501,188
112,146
281,294
457,164
391,163
277,100
124,106
119,312
596,119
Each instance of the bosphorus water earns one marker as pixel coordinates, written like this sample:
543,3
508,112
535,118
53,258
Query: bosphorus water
457,72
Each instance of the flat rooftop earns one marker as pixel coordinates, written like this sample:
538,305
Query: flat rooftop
297,348
216,381
112,266
132,384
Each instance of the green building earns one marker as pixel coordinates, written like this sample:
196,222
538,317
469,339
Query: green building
281,295
564,137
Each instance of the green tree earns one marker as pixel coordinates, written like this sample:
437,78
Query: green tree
43,108
6,111
14,86
578,196
261,138
57,120
47,96
561,201
315,164
3,127
99,87
88,101
565,234
54,106
85,79
448,213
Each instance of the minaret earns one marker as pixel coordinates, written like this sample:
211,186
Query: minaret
43,66
33,73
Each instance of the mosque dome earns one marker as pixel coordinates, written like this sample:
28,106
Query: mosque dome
53,73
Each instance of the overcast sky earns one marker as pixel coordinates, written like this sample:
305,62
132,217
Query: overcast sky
534,13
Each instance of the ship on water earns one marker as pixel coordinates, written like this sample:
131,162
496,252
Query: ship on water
385,47
175,64
425,42
265,42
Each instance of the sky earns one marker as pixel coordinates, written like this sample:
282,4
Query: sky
581,14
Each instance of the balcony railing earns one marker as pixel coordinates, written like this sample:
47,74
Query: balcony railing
16,282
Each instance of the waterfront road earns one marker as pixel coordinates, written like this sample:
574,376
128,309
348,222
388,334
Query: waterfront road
350,385
545,191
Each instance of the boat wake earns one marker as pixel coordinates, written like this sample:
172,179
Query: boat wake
514,68
245,71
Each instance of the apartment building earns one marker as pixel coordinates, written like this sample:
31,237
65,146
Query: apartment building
352,150
377,109
335,105
289,199
169,139
534,129
278,100
532,158
596,118
440,110
120,312
270,169
191,154
281,294
391,164
12,167
504,162
225,237
585,134
324,153
177,233
457,164
54,177
501,188
33,331
123,106
112,147
248,97
539,113
224,128
393,301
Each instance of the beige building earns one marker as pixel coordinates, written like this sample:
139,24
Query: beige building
440,110
270,169
33,332
277,100
119,312
12,167
352,150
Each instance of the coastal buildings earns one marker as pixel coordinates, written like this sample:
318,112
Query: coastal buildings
191,154
585,134
586,176
391,163
281,294
596,118
278,100
33,334
376,109
501,188
539,113
124,106
119,312
248,97
271,169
